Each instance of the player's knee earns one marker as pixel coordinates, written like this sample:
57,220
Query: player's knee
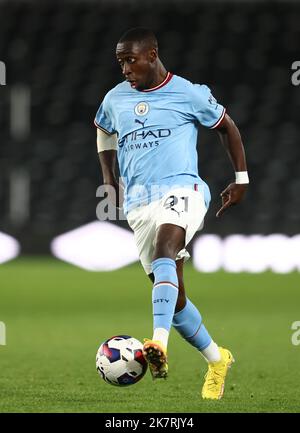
166,248
169,241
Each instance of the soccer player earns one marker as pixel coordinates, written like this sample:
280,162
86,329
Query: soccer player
150,121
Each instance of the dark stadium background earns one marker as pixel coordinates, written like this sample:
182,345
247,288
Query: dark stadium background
60,62
60,55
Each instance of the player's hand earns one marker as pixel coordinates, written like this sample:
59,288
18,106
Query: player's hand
232,195
115,192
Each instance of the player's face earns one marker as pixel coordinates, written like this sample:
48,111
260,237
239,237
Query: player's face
137,63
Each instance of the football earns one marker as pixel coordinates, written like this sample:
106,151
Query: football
120,360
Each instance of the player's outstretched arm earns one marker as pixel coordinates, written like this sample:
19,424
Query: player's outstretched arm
107,145
232,141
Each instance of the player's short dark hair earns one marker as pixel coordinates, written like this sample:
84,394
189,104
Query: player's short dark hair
141,35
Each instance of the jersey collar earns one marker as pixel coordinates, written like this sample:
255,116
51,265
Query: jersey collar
163,83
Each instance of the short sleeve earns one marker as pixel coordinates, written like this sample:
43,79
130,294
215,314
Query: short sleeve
205,107
104,117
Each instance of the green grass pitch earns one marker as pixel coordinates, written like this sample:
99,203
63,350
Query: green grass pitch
56,316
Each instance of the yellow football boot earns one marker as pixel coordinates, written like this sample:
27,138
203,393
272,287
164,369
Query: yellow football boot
156,356
213,387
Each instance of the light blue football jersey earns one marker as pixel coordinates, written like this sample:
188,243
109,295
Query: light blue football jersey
157,136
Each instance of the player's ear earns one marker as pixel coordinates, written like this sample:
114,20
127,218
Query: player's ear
153,55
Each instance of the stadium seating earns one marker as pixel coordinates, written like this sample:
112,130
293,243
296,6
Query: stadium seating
64,52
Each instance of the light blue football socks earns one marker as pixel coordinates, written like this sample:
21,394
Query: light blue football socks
164,293
188,322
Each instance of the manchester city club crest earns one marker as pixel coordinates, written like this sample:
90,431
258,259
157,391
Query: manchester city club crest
141,109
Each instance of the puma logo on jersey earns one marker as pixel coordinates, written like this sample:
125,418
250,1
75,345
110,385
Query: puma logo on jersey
140,122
